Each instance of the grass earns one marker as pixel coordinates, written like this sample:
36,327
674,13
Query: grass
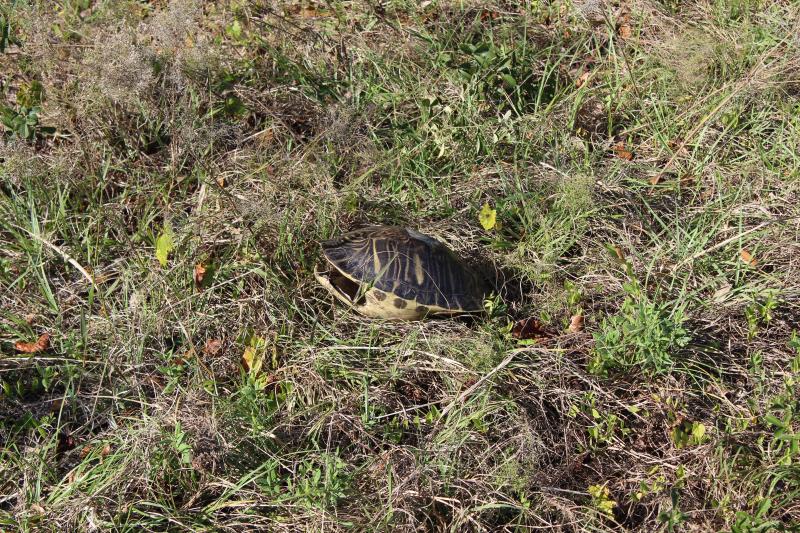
642,161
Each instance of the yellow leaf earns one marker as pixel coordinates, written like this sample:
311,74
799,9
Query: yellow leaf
576,323
698,431
487,217
748,258
253,356
164,245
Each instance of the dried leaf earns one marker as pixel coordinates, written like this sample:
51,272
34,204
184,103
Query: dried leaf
624,29
164,245
487,217
489,15
41,344
266,136
655,179
212,347
253,356
529,328
747,257
306,12
576,323
617,252
249,358
199,275
621,152
582,79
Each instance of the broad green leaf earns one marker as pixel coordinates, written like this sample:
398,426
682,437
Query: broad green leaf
164,245
487,217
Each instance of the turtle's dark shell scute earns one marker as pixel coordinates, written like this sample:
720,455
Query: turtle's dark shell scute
407,265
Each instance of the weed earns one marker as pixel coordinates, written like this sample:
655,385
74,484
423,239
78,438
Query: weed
23,122
601,500
643,334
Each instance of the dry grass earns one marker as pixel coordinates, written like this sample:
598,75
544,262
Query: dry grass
642,159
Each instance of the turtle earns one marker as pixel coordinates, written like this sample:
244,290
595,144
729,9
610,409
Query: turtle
397,273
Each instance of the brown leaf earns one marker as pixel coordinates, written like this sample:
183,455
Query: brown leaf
624,26
212,347
307,12
679,146
747,257
576,323
199,274
621,152
40,345
530,328
266,136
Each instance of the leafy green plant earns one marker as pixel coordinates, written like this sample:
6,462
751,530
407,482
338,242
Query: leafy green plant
503,75
182,447
642,334
655,484
757,522
31,94
673,517
319,482
759,312
604,426
23,122
689,434
601,500
784,444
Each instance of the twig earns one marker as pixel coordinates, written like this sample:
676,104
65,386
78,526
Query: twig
722,244
463,396
64,255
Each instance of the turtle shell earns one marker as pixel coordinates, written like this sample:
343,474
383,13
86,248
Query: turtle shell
402,273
